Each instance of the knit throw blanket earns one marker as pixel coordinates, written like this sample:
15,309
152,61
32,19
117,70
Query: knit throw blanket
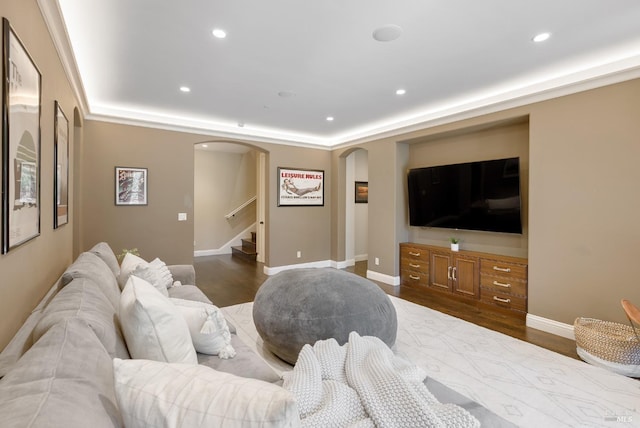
363,384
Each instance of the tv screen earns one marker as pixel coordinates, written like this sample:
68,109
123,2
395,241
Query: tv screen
482,195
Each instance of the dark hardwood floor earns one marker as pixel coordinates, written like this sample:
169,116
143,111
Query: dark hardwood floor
228,281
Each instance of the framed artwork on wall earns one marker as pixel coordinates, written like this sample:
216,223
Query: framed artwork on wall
61,168
362,192
21,95
131,186
300,187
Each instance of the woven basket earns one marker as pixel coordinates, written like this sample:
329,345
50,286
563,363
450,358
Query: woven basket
607,340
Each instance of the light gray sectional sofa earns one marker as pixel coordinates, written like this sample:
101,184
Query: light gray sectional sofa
58,369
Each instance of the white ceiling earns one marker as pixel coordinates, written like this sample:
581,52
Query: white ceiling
452,57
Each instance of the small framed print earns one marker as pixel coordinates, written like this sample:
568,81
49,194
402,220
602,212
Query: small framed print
300,187
131,186
362,192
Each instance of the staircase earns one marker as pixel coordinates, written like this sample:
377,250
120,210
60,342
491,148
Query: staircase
248,249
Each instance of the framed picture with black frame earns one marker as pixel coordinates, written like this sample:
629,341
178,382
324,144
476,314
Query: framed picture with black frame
21,107
300,187
61,168
131,186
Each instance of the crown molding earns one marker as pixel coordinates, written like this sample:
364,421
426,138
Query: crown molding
55,23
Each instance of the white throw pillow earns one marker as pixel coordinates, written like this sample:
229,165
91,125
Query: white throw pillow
129,263
155,273
209,330
153,394
152,325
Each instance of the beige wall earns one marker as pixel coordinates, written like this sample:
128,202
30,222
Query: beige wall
28,271
292,229
361,211
154,229
584,230
223,182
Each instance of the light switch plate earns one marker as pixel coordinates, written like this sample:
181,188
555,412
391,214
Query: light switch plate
182,216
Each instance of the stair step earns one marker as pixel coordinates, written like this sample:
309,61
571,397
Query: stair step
243,254
249,246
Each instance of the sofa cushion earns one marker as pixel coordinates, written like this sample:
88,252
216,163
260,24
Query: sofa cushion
246,363
82,298
185,274
104,251
64,380
19,344
90,266
153,327
153,394
209,331
189,292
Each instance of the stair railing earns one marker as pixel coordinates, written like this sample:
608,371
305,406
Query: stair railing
240,208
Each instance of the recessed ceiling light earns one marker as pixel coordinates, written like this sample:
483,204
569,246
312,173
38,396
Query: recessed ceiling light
329,118
387,33
286,94
205,146
401,92
219,33
240,124
541,37
185,89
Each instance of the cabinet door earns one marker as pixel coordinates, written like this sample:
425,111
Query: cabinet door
440,270
465,276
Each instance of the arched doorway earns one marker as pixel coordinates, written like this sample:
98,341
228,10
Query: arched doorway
229,197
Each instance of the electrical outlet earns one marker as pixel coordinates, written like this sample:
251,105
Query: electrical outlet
182,216
299,254
377,261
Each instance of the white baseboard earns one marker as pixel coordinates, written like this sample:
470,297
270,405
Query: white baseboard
343,264
387,279
226,248
274,270
550,326
376,276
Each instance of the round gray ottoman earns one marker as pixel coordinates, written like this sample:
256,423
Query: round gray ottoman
300,306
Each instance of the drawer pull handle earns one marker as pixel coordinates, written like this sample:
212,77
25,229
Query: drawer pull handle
501,284
498,299
416,278
411,253
449,273
453,276
502,269
414,265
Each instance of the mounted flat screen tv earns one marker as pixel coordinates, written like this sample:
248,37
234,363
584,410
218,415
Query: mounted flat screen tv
482,195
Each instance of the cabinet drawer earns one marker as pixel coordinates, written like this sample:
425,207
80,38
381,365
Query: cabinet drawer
503,269
503,300
415,265
414,279
414,253
509,286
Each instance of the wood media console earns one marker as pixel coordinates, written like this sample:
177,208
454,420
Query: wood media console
492,281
